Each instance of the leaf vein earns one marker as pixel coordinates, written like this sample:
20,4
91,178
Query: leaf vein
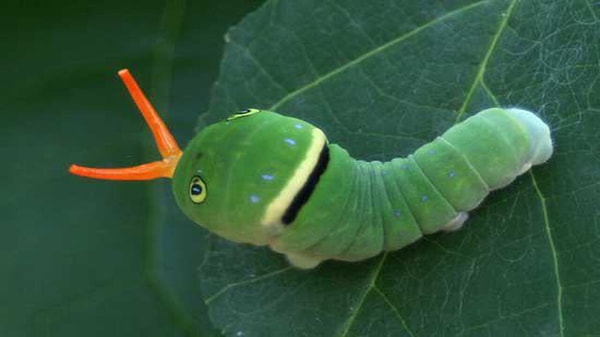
372,52
482,67
554,254
226,288
394,309
361,299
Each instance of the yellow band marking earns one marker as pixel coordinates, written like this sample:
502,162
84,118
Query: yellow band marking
279,205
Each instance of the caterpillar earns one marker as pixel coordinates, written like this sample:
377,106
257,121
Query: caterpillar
263,178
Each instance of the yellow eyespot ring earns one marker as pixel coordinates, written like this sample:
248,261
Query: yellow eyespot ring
197,190
243,113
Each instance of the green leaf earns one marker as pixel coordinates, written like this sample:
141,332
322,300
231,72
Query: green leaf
382,78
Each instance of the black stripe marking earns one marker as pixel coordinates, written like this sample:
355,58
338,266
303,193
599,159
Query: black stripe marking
306,191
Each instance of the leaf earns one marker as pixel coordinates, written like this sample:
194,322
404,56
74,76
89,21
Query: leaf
382,78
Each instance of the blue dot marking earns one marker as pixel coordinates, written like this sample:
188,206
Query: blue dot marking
268,177
290,141
451,174
254,198
397,213
298,126
431,151
424,198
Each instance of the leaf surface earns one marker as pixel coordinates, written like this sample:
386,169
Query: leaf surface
382,78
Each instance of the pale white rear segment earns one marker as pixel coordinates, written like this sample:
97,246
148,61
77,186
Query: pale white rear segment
541,143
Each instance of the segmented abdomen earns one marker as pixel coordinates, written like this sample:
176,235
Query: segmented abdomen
433,188
387,206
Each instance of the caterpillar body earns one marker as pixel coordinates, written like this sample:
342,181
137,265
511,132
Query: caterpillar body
262,178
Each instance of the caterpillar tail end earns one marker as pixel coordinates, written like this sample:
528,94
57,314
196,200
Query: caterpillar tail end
542,147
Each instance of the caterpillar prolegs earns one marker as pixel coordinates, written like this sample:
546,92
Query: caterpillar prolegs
263,178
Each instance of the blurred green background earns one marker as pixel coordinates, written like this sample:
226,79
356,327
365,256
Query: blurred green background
68,267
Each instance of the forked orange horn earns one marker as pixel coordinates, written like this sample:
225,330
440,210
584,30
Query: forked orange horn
166,143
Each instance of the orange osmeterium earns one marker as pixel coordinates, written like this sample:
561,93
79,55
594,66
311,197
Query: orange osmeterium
167,146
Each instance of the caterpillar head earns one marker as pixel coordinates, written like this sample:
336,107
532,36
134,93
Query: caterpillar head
238,178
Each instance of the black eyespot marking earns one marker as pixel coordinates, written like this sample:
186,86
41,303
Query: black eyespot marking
197,190
243,113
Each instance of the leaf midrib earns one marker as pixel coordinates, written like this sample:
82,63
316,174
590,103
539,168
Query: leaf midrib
371,53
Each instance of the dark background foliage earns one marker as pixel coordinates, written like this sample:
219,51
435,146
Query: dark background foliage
89,258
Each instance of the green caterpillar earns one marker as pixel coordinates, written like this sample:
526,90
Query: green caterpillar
262,178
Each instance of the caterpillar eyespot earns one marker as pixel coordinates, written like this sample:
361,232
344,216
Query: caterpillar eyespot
243,113
198,190
288,187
